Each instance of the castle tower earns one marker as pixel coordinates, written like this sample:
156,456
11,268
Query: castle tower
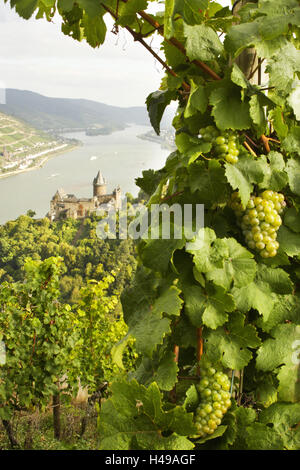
99,185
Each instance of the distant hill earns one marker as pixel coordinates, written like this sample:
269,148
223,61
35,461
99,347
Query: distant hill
46,113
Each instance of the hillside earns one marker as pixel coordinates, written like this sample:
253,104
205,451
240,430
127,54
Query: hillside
48,113
22,145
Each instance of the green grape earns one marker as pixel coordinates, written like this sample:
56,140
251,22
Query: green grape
217,386
208,408
207,137
260,245
254,221
252,245
224,144
260,221
211,371
214,401
220,140
212,424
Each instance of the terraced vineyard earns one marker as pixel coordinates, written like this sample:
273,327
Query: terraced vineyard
23,146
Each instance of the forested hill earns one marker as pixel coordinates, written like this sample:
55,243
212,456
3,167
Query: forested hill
46,113
85,255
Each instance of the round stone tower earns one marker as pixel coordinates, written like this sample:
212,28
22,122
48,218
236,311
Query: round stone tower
99,185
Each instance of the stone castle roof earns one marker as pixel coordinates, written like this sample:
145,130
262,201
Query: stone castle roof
99,180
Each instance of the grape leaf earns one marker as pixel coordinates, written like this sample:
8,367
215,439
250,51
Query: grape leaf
92,8
146,319
289,241
209,182
230,344
287,59
238,77
156,104
158,253
261,293
127,11
192,398
266,392
242,175
244,417
24,8
202,42
275,176
277,352
238,268
258,436
190,146
65,5
209,307
284,418
281,128
149,330
228,109
94,29
292,219
150,181
286,308
294,99
208,251
162,370
277,279
133,418
241,36
197,100
191,10
293,171
257,114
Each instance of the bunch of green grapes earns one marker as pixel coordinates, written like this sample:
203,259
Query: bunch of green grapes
260,221
215,400
225,144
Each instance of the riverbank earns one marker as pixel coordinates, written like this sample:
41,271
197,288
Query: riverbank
40,162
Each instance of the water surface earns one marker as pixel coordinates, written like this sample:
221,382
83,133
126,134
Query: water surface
121,157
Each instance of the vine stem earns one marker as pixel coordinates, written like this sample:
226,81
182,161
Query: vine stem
265,141
176,357
178,45
138,37
249,148
172,195
176,353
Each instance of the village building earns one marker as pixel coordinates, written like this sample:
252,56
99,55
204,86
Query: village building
63,206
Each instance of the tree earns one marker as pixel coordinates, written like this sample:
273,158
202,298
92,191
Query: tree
38,337
228,306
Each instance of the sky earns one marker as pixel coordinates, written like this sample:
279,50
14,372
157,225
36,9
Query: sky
36,56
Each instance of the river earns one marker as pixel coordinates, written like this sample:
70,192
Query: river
121,157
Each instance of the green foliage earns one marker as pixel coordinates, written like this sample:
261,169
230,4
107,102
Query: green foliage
100,326
85,255
215,292
134,416
38,337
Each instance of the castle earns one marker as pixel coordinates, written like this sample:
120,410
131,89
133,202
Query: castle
65,205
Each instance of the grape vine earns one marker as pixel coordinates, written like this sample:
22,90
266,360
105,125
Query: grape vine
235,78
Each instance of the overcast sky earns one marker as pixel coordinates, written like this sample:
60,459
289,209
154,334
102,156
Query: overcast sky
36,56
